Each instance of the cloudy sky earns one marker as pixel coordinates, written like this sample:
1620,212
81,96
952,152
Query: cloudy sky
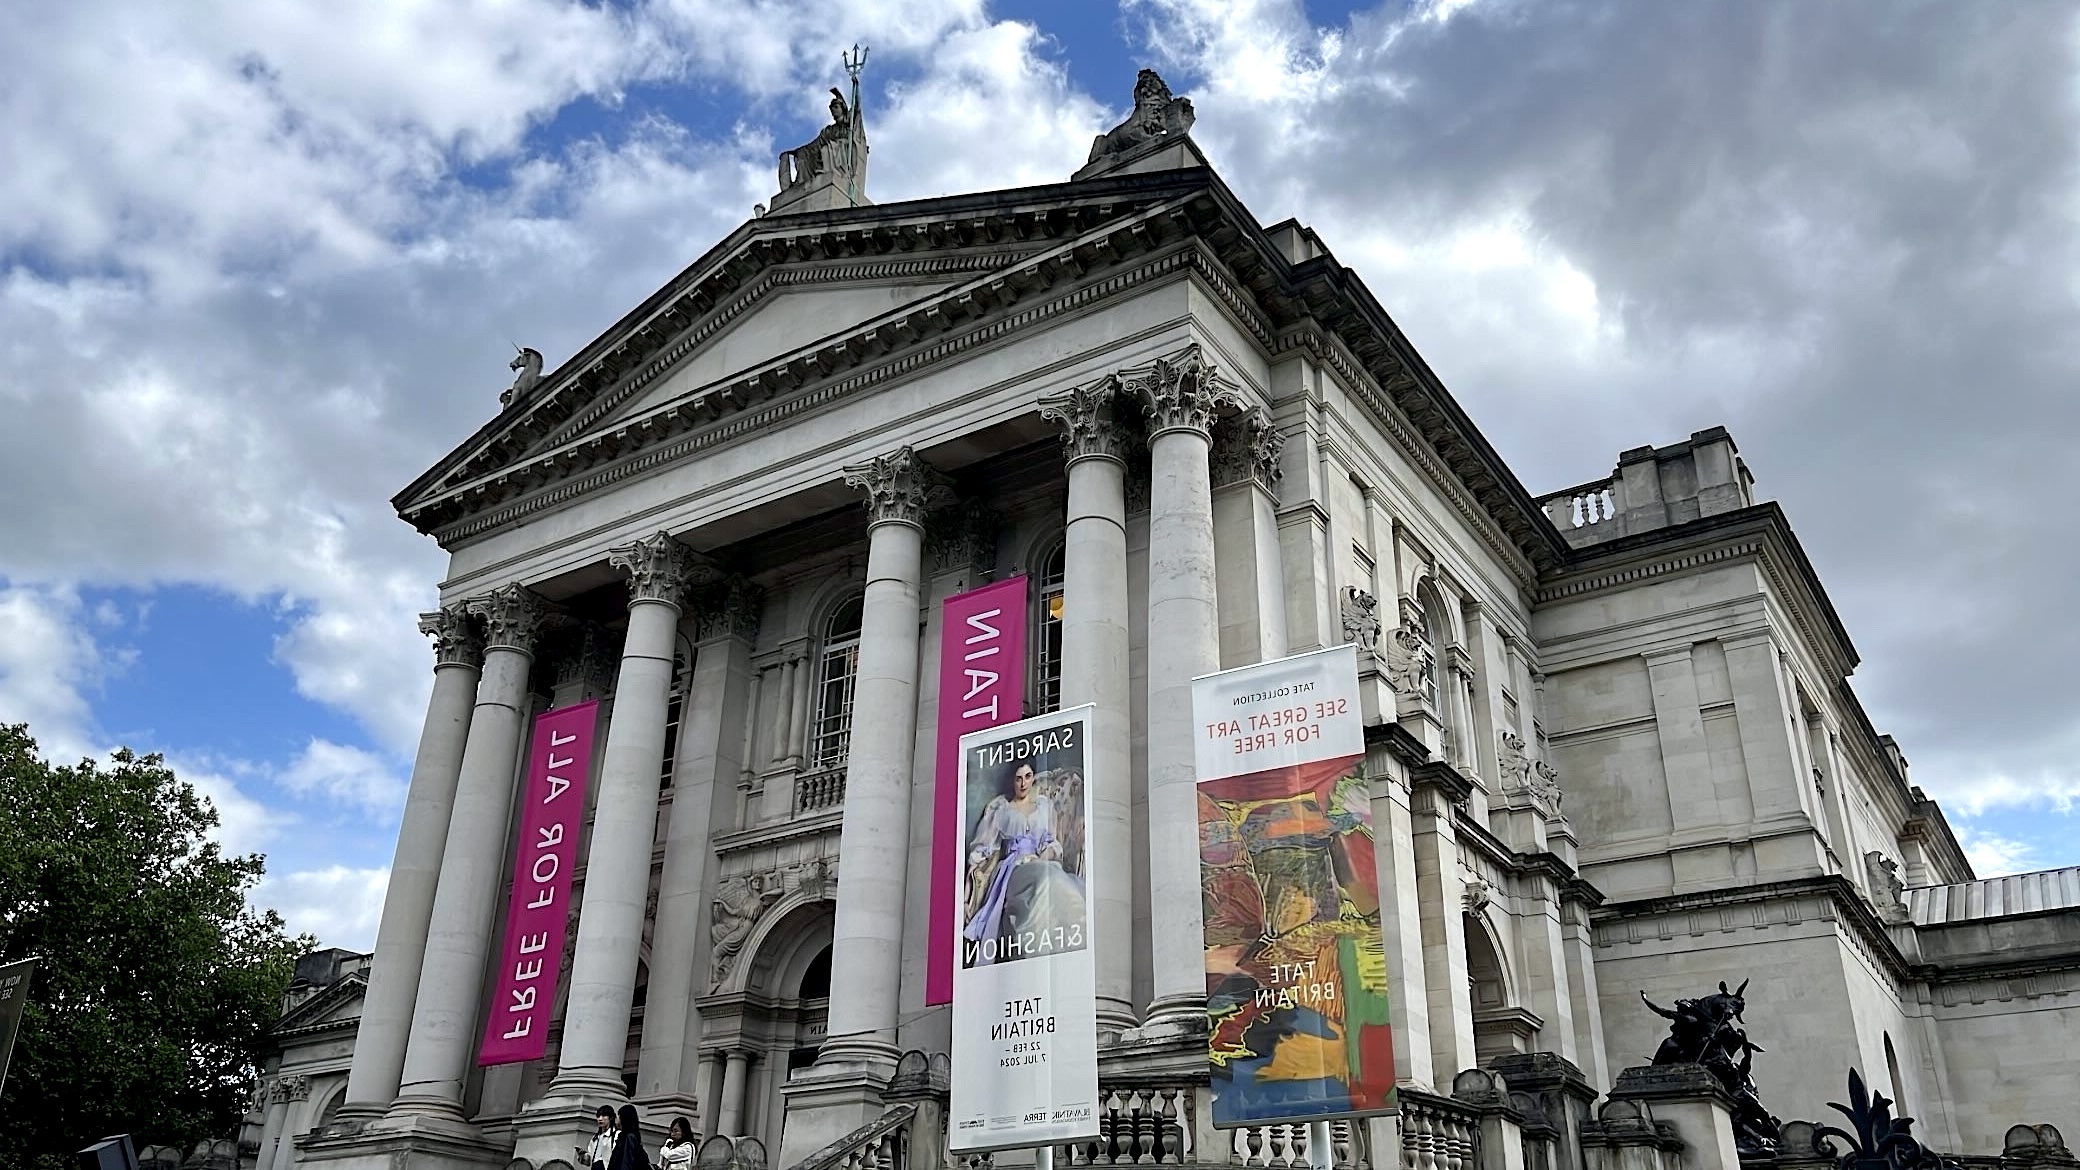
262,264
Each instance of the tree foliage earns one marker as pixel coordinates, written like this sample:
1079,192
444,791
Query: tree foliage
158,983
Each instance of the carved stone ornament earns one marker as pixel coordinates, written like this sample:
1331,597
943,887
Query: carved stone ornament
1410,666
528,363
739,903
1545,783
1177,393
458,638
730,608
659,568
1091,427
963,538
900,487
1474,895
742,901
1888,892
1246,448
1157,116
588,656
1360,618
1511,761
513,616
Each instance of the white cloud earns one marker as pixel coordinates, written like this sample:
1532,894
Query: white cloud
48,661
345,775
245,824
1994,856
340,905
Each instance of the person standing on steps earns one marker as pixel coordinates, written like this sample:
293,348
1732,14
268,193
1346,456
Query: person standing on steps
594,1155
628,1143
678,1148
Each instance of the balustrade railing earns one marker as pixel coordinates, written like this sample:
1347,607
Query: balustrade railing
881,1144
1438,1133
814,791
1138,1125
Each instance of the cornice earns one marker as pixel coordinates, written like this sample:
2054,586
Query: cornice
1691,914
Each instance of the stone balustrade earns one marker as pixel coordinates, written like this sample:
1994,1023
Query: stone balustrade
816,791
1438,1133
1584,506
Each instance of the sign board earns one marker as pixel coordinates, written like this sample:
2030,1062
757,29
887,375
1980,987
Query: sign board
1025,983
982,673
1296,972
552,815
14,1000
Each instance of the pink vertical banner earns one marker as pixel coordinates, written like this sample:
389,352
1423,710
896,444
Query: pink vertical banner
559,762
982,682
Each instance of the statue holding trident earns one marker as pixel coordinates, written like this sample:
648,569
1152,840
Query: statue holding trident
830,170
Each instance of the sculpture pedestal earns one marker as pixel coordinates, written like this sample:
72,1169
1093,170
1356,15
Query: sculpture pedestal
1654,1103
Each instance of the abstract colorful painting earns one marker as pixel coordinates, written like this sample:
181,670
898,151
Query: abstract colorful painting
1296,976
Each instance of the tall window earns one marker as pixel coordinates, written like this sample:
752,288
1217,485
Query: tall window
1047,633
836,672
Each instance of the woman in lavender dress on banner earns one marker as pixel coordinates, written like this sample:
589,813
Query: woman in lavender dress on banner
1018,891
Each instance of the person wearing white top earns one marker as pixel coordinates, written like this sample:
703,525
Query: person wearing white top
677,1152
594,1155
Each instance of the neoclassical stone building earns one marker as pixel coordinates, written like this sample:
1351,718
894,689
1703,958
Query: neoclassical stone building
1612,740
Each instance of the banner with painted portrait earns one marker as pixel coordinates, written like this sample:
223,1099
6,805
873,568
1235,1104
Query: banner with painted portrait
1296,974
1025,1052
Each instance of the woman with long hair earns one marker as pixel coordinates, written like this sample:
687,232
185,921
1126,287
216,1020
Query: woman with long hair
677,1152
1016,881
628,1143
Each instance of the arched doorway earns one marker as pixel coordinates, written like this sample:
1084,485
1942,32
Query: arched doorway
768,1020
1500,1026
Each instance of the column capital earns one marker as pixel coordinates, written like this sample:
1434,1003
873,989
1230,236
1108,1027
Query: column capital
1177,393
513,617
729,607
458,637
587,657
1091,427
900,487
1246,449
659,568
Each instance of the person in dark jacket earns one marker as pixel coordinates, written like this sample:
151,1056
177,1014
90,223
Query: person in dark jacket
628,1143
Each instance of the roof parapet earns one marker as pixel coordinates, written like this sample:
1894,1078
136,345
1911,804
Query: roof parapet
1655,487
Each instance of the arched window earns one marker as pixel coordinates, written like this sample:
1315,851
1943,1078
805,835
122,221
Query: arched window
1047,632
1899,1088
836,672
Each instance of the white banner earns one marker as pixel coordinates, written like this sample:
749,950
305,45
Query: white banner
1025,984
1278,714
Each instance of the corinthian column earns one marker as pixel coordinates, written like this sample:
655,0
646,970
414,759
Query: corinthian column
1246,454
874,845
444,1013
624,823
1178,396
393,978
1094,669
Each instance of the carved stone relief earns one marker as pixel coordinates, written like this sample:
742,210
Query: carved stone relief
1888,892
743,901
1360,618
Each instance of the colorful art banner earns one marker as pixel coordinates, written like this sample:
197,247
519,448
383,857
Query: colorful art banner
1025,983
552,813
1296,971
982,673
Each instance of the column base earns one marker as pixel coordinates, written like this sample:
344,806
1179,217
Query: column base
1177,1015
665,1106
423,1143
361,1111
1115,1016
428,1106
827,1101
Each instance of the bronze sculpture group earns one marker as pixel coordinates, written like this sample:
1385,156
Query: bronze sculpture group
1708,1031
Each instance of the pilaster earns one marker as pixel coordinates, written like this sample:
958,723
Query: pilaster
1250,579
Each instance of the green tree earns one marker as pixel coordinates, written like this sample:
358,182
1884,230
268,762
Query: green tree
151,1006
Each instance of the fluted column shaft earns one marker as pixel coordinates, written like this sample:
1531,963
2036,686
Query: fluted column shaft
444,1014
624,824
1183,643
867,938
393,977
1095,670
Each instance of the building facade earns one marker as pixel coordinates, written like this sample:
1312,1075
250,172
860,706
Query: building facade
1612,740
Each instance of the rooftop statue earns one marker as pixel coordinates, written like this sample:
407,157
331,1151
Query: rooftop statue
1707,1031
1157,115
829,170
529,364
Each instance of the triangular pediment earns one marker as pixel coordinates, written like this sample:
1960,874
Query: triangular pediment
785,299
788,315
335,1005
